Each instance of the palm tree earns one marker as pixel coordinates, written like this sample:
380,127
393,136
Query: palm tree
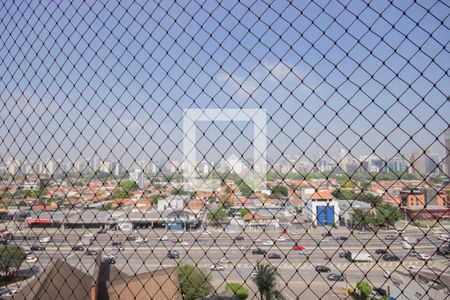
266,281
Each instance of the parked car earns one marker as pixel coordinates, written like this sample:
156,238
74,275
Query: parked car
239,238
217,267
173,254
342,238
413,253
298,248
390,257
37,248
444,250
322,269
78,248
117,243
381,251
259,251
335,277
274,255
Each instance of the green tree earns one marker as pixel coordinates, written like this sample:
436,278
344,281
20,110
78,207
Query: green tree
11,257
128,185
280,191
238,289
244,211
179,192
362,291
246,191
194,282
387,215
266,281
362,218
217,216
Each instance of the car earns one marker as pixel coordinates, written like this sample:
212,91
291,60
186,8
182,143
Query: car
274,255
322,269
268,243
78,248
326,234
444,250
163,238
335,277
444,237
343,254
45,239
10,292
379,292
284,231
224,260
295,233
31,259
424,257
184,244
91,252
174,254
381,251
342,238
413,269
259,251
111,259
28,252
141,240
390,257
390,237
298,248
37,248
281,239
412,253
406,245
239,238
117,243
131,238
217,267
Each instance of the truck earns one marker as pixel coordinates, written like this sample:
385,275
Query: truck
360,256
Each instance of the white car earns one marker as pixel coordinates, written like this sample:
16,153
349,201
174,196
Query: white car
45,239
164,238
224,260
217,268
253,275
184,244
141,240
31,259
406,245
444,237
295,233
422,256
281,239
268,243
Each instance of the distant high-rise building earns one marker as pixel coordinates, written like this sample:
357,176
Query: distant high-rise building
50,167
138,177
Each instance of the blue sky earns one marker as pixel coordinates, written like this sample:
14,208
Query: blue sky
115,78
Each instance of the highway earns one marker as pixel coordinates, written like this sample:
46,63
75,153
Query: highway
296,268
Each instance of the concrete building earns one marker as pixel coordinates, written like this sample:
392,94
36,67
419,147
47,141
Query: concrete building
321,207
447,148
174,202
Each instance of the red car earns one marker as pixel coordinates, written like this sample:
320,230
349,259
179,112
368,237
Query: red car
298,248
284,231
